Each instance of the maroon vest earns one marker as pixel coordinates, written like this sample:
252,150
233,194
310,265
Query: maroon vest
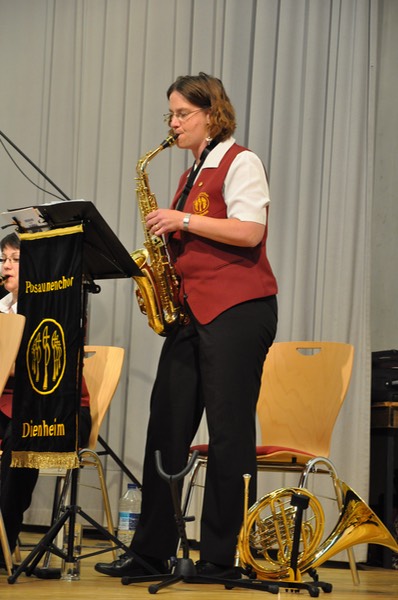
217,276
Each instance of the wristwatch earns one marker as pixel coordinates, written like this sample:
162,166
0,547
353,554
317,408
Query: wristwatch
185,221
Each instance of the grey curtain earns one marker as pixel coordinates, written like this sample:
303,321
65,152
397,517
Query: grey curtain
83,93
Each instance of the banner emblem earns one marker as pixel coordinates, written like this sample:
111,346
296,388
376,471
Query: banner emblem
46,356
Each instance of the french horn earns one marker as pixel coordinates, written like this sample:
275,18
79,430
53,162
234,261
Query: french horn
265,540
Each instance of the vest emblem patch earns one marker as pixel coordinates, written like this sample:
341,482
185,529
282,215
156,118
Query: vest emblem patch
201,204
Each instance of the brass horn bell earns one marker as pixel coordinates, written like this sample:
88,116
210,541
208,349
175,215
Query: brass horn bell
266,537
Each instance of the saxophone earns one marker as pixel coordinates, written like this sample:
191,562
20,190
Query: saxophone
158,287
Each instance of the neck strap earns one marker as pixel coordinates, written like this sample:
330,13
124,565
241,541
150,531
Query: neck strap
192,175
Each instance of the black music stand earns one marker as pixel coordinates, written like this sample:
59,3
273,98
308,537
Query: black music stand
104,257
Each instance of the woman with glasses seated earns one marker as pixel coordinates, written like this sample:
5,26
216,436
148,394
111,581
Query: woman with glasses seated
17,484
216,231
10,248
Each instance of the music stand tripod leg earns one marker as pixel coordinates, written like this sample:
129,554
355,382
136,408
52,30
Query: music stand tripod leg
37,552
29,564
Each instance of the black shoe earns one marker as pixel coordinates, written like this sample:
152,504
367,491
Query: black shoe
128,566
208,569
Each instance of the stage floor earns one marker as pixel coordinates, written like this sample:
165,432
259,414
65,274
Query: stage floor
374,583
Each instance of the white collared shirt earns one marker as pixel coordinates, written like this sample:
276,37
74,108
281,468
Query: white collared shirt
7,304
246,191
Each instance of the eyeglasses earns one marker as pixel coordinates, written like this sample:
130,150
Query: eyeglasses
13,259
181,116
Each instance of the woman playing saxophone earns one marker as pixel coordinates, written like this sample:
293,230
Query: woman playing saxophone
216,230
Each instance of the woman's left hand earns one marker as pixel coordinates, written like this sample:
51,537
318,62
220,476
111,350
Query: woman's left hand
164,220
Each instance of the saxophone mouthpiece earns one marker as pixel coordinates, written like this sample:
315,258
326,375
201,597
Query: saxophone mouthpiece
169,141
3,279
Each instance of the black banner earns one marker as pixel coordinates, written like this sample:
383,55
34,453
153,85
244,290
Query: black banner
46,399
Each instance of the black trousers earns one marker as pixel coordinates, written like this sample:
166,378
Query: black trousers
17,484
216,368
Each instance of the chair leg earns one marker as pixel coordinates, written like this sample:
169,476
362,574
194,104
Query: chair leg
92,459
17,553
191,484
93,456
60,500
311,467
5,546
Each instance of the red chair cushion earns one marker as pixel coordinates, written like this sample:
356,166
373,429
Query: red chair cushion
203,450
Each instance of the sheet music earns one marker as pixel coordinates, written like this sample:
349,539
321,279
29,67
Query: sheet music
27,219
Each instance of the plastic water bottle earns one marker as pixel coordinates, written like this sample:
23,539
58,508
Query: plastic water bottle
129,513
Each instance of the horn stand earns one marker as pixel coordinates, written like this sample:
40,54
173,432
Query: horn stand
275,536
185,569
293,579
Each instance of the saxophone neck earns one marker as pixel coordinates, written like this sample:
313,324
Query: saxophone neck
144,160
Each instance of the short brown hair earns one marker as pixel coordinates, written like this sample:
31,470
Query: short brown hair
11,240
207,92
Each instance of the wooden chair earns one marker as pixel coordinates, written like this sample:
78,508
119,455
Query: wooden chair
304,385
11,331
102,369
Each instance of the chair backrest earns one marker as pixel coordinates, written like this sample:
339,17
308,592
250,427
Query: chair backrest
303,388
101,369
11,330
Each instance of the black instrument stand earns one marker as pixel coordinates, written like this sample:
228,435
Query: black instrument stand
185,569
301,503
295,584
